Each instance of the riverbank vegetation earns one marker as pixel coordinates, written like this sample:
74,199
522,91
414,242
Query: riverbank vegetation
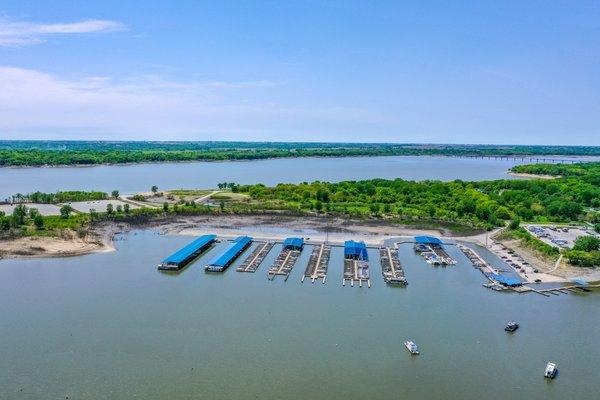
58,197
54,153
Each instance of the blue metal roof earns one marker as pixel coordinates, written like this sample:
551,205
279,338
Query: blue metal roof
231,251
428,240
183,253
355,249
293,242
506,281
579,281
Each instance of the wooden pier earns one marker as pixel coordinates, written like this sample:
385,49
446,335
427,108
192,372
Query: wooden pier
393,273
318,263
253,261
284,263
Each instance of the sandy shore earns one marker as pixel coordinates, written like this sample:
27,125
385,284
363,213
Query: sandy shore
531,176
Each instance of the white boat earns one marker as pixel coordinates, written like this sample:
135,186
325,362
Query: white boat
551,370
411,346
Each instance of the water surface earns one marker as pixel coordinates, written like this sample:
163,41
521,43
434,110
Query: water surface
110,326
140,177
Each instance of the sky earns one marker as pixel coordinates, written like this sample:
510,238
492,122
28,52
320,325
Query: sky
497,72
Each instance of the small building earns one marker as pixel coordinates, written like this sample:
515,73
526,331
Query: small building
355,250
293,243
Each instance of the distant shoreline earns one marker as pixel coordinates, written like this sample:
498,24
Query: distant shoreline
580,158
531,176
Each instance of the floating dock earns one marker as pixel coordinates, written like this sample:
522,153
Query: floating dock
292,248
431,248
233,251
393,273
183,256
318,262
356,263
253,261
497,280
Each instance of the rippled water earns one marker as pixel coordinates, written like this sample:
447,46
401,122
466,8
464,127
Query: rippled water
110,326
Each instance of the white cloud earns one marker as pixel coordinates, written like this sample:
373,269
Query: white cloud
27,33
41,105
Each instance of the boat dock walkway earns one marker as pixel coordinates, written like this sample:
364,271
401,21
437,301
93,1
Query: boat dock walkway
284,263
318,263
393,273
356,270
253,261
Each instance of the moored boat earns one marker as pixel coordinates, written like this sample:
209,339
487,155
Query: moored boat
411,346
511,326
550,371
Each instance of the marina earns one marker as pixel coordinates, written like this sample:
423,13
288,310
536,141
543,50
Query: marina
318,263
182,257
256,257
229,255
393,273
285,261
356,264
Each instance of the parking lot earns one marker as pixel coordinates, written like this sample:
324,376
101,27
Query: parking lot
558,236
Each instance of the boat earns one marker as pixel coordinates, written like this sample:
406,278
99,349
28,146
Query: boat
411,346
511,326
551,370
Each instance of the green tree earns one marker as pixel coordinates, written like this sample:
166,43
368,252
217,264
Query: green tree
126,208
165,206
18,215
154,189
38,221
115,193
65,211
587,243
514,223
110,209
222,205
119,208
93,214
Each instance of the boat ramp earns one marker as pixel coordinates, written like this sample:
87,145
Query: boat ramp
318,262
285,261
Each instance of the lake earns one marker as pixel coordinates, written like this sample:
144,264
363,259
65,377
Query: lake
110,326
140,177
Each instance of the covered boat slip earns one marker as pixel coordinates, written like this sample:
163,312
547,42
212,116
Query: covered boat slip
186,254
229,255
431,248
356,263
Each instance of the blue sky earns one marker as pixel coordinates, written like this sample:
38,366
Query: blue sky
392,71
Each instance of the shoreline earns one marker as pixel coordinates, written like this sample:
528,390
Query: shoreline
276,227
531,176
581,158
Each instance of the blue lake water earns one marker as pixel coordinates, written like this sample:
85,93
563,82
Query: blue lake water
110,326
140,177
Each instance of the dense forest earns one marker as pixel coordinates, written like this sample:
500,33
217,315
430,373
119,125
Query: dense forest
483,204
35,153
